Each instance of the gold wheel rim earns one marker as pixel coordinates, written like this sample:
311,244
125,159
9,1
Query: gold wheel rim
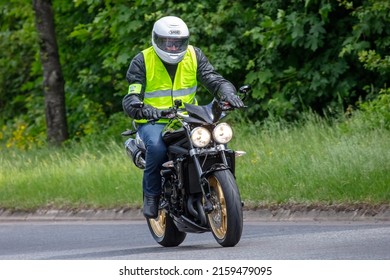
218,217
158,225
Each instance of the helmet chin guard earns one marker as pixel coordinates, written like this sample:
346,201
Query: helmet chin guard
170,38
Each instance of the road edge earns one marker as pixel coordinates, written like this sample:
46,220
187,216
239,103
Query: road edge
262,214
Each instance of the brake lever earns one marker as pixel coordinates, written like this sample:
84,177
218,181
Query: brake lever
226,106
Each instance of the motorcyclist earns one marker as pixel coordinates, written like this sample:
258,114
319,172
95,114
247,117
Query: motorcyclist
170,69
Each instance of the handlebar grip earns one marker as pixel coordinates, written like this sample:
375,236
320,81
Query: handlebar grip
165,112
169,113
226,106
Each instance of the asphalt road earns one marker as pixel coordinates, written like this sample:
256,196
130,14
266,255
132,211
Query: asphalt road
131,240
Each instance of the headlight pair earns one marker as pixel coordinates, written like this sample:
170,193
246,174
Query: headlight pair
201,136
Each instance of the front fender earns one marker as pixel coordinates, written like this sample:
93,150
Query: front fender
213,168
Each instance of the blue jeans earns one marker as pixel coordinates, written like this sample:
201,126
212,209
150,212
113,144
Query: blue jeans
155,157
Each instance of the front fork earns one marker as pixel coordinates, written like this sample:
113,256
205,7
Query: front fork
208,206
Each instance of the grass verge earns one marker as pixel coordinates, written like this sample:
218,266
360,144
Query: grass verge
311,163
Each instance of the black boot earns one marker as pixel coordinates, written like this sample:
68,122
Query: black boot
151,206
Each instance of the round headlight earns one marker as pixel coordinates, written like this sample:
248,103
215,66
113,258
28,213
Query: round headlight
222,133
200,137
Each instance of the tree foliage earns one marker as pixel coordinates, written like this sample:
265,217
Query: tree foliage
319,55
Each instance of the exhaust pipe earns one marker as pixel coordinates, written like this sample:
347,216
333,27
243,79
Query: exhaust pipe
135,152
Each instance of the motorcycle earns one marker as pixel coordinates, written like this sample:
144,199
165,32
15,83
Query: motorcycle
199,189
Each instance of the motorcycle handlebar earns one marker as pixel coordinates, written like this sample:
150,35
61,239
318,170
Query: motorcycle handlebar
166,114
171,113
226,106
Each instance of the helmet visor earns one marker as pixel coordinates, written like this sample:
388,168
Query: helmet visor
171,44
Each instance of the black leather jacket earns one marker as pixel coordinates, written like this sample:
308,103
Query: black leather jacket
206,76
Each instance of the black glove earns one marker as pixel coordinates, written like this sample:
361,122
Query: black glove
150,113
233,100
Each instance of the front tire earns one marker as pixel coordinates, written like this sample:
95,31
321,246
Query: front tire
164,230
226,219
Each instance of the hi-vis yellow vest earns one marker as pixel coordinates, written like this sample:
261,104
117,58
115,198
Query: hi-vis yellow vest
160,92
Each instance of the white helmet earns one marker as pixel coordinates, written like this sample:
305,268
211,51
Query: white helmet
170,39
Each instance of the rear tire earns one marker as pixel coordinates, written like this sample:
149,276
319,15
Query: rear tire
164,230
226,219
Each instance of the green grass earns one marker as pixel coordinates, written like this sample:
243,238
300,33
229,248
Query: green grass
311,163
84,176
316,164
